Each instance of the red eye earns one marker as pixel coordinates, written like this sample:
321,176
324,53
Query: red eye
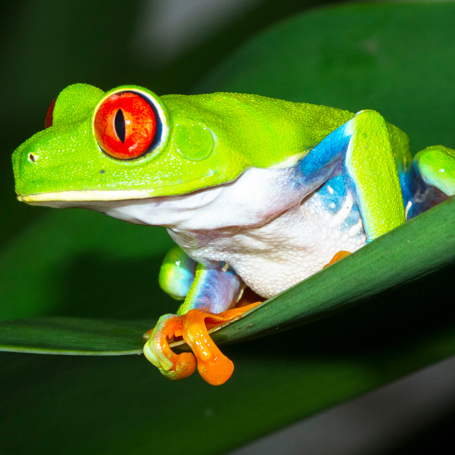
125,125
50,113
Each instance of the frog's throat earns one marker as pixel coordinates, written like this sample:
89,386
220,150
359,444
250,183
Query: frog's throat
89,196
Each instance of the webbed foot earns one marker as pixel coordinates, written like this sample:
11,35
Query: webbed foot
213,366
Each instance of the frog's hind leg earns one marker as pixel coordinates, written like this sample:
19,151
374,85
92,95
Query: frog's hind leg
208,303
430,180
362,152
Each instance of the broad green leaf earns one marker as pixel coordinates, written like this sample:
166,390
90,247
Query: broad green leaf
73,336
123,405
396,58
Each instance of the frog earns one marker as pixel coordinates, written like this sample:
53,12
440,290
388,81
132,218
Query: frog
257,193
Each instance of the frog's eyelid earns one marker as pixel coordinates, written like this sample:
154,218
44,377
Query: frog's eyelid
50,114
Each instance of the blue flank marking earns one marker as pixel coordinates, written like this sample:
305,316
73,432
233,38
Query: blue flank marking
405,185
338,196
332,203
325,166
422,195
323,162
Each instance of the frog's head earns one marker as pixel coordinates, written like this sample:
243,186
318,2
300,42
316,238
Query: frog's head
124,144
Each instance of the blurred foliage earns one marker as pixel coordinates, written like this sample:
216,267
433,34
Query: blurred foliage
395,58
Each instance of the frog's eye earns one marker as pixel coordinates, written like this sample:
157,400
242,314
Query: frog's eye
50,114
125,125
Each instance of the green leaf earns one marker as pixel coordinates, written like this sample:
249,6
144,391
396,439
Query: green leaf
72,336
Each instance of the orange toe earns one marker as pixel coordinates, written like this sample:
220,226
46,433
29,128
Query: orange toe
340,255
173,366
213,366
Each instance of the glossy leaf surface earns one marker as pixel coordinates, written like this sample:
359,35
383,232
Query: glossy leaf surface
72,336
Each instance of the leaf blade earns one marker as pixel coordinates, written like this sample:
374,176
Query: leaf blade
73,336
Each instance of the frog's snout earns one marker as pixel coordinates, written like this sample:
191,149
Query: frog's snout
33,157
27,159
27,155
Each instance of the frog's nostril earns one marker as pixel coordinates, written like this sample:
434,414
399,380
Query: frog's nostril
32,157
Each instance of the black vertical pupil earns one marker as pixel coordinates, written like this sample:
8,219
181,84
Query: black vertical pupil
119,123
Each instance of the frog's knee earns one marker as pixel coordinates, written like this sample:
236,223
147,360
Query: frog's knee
369,122
369,115
177,273
436,166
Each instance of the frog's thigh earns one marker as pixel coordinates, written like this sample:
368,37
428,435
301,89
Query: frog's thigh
214,290
177,273
436,166
372,174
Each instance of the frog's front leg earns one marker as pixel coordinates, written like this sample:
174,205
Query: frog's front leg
361,151
372,174
213,292
177,273
430,180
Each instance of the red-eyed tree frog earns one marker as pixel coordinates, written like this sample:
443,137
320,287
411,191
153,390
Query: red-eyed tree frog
256,192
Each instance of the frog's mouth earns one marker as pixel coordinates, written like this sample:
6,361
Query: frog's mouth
133,206
86,196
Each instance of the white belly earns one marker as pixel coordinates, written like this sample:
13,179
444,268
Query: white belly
272,235
273,257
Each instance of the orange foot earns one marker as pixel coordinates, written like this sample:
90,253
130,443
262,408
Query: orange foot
340,255
193,326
